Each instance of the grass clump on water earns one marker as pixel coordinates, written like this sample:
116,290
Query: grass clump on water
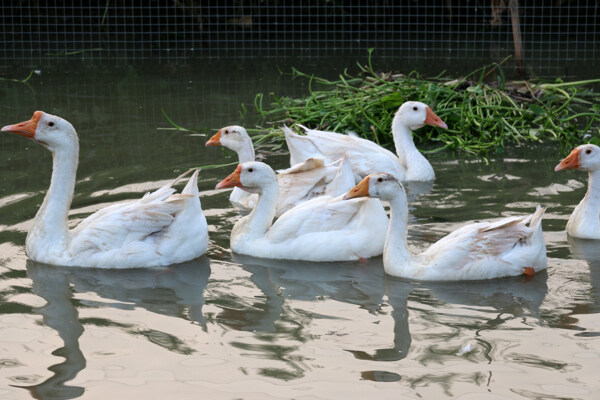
482,114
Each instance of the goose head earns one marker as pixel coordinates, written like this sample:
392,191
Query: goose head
383,186
50,131
414,115
233,137
585,157
252,176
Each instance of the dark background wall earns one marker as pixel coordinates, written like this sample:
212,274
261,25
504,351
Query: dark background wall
555,34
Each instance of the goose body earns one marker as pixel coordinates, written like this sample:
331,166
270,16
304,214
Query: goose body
162,228
310,178
325,228
367,157
584,222
506,247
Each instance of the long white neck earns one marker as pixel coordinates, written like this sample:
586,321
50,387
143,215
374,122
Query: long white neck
260,219
417,166
51,219
590,205
246,152
396,256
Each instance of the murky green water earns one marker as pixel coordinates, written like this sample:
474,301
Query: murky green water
228,327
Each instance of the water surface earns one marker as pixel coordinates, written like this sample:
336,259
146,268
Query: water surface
226,326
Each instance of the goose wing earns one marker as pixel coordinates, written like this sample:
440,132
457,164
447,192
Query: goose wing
122,223
502,244
322,214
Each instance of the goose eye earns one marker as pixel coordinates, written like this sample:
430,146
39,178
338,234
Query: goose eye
50,123
588,151
226,132
415,108
250,169
379,179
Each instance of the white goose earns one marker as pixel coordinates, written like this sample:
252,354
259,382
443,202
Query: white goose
506,247
303,181
322,229
584,222
367,157
161,228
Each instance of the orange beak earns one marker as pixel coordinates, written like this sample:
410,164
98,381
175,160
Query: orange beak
215,140
360,190
25,128
232,180
571,162
434,120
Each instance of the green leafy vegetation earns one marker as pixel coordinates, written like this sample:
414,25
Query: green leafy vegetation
483,110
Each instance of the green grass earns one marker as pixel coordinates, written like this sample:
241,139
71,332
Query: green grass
483,110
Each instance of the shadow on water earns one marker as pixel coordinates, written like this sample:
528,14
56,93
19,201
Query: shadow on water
584,249
289,285
348,282
515,295
367,287
512,295
60,314
174,291
397,292
589,250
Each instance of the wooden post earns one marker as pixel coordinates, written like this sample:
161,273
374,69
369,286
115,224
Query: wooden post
516,28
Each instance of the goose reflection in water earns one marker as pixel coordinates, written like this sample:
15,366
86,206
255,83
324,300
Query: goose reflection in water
584,249
589,250
174,291
366,287
514,296
348,282
59,313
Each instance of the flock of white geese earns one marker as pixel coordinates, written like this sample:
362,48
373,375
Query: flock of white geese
322,213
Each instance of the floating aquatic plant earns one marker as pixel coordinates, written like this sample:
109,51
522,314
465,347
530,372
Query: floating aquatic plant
482,114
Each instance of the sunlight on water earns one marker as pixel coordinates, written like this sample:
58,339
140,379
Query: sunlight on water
229,326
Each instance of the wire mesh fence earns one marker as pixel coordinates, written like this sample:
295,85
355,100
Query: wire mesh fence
551,35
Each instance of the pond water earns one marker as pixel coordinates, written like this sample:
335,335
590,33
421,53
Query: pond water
231,327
